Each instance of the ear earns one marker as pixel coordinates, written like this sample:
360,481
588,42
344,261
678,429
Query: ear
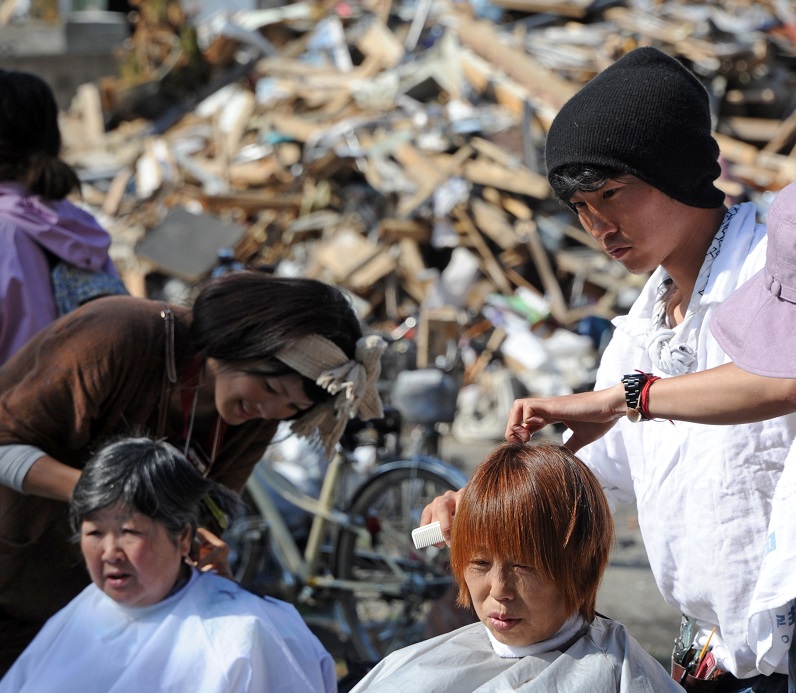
184,541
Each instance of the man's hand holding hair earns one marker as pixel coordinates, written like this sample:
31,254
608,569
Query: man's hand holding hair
589,415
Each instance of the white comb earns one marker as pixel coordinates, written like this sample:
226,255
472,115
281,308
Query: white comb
427,535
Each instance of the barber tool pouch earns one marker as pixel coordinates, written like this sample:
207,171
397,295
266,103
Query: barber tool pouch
73,286
703,676
706,677
693,684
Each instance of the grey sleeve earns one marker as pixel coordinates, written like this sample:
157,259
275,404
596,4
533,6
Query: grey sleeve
15,461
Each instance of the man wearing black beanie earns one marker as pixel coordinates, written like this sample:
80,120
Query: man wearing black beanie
633,156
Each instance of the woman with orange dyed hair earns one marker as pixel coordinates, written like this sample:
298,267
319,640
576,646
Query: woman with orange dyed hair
530,542
554,518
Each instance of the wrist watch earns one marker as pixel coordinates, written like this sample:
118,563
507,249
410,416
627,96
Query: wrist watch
634,383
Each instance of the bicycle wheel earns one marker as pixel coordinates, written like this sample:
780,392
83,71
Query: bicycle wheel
400,584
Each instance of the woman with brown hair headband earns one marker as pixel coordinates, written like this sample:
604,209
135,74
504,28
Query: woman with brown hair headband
214,380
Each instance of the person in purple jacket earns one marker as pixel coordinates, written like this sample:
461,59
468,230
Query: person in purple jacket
38,226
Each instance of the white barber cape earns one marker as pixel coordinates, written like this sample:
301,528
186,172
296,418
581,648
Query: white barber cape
703,493
212,636
605,659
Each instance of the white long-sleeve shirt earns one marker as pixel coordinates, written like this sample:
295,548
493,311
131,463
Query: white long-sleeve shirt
703,493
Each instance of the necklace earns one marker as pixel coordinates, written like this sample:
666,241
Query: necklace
191,452
191,421
673,350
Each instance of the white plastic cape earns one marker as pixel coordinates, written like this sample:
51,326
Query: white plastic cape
211,636
607,658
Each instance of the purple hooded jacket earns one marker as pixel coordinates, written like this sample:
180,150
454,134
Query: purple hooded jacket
28,224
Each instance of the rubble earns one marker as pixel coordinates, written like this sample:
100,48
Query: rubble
396,149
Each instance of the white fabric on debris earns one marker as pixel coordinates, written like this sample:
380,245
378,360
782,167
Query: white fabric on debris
211,636
703,492
605,659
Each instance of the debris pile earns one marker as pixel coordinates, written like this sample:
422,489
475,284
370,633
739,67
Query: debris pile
396,149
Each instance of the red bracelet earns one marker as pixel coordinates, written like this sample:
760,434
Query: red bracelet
644,397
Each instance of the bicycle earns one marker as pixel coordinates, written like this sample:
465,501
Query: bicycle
358,563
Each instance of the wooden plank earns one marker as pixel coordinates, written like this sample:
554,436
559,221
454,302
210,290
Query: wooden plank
413,270
282,66
647,24
90,107
7,9
517,208
493,196
763,169
379,42
482,171
492,222
519,281
234,119
483,77
735,150
252,201
472,373
368,70
508,160
575,9
479,294
577,233
436,328
312,224
559,308
294,126
784,167
343,254
393,230
135,281
409,204
495,152
372,271
751,129
680,34
418,167
784,135
544,87
491,266
113,199
253,174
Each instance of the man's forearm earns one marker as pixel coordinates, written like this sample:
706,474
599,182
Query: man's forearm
722,395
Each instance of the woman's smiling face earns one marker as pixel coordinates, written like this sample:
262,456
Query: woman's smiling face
513,601
130,557
242,395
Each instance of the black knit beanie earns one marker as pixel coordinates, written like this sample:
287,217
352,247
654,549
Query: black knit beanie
646,115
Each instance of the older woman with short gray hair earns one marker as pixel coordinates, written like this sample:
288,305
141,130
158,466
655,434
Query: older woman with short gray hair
150,620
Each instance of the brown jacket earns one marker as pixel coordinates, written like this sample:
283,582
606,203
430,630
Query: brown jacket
95,374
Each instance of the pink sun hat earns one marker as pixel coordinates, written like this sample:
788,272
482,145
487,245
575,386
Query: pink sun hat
756,325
